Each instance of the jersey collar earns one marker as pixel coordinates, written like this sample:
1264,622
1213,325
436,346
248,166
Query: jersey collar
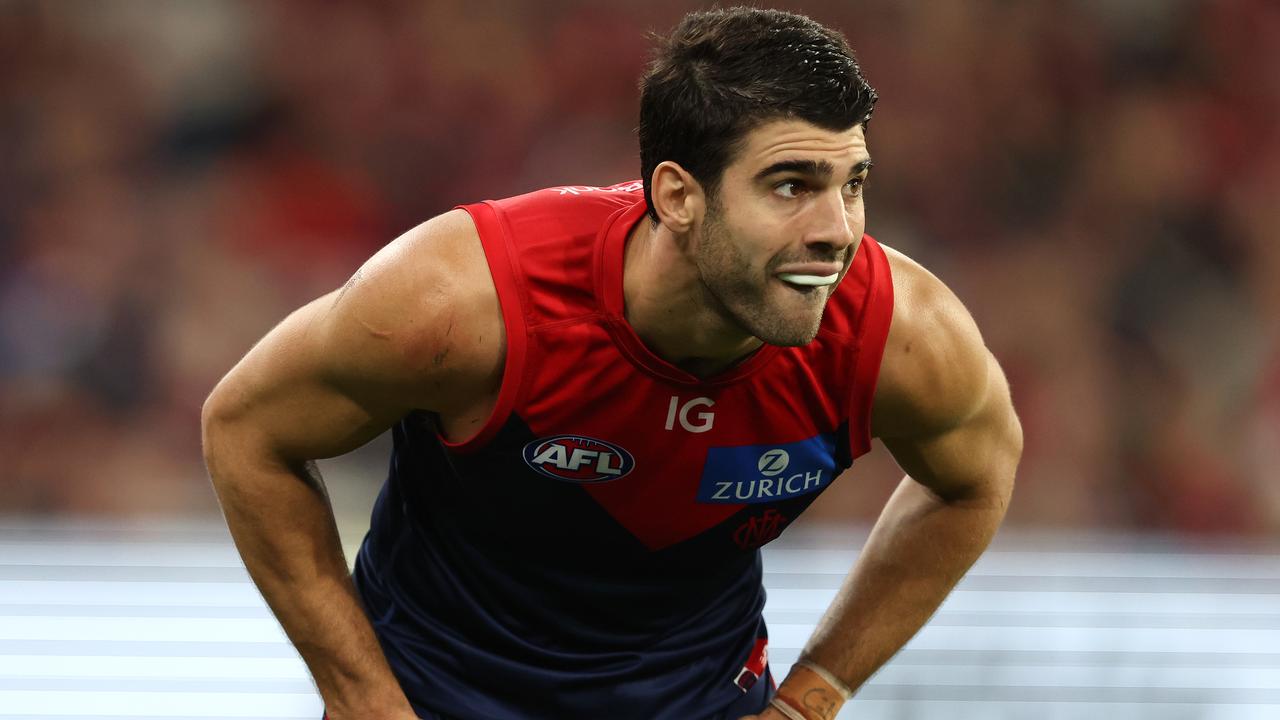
610,253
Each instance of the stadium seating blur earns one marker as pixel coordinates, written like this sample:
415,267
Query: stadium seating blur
1097,181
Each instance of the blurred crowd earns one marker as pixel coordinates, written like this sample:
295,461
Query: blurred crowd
1099,181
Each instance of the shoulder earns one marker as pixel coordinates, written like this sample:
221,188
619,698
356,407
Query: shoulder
935,369
425,313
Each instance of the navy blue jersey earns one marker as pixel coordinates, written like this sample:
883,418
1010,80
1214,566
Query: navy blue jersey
592,552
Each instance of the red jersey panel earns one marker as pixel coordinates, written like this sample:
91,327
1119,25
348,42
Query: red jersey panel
694,448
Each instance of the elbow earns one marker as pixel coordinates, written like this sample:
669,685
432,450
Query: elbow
1012,452
217,416
211,418
1006,434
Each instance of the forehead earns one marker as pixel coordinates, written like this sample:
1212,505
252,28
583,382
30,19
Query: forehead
779,140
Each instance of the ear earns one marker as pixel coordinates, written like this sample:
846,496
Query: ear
678,199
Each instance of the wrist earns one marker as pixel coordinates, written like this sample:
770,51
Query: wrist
371,704
405,713
810,692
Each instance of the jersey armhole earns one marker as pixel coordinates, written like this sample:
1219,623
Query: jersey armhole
501,257
873,332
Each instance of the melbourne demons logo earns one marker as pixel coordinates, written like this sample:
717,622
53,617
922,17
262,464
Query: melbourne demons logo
578,459
757,531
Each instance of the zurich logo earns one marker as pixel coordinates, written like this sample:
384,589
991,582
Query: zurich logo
578,459
745,474
773,462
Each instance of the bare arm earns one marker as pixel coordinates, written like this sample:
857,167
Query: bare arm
329,378
943,410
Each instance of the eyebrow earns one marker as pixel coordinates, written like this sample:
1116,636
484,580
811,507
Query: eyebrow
820,168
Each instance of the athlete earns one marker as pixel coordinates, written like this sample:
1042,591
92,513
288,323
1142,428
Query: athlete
604,400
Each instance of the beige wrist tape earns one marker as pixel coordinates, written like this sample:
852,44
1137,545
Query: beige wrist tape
835,683
785,708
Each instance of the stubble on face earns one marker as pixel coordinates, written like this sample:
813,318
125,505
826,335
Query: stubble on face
740,291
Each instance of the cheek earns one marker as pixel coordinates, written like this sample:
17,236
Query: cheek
750,240
858,209
761,247
858,218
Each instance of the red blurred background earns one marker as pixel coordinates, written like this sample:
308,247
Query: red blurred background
1098,181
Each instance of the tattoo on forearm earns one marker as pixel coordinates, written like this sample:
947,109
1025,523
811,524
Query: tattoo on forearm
823,702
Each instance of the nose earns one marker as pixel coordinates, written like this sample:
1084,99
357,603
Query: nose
831,225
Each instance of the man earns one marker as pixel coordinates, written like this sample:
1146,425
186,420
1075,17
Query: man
603,401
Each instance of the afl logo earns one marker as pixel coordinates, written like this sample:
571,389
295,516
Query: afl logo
578,459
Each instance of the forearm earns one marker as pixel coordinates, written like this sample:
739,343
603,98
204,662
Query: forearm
919,549
284,528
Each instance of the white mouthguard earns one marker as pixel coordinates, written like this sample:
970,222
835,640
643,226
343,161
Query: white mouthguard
810,280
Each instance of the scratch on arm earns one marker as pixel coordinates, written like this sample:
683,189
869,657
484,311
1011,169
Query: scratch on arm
355,279
350,284
437,360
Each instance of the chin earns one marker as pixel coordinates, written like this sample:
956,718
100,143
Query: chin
797,327
792,333
784,319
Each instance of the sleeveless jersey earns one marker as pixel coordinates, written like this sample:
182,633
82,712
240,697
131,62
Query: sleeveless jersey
592,552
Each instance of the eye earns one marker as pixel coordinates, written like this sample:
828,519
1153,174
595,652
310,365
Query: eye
853,188
789,188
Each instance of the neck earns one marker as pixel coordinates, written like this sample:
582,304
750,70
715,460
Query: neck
671,309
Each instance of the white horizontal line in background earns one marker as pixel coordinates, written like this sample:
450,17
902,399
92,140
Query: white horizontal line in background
917,709
183,611
172,554
64,527
140,629
1084,676
920,701
108,666
994,620
1056,564
1018,583
39,703
841,537
276,648
106,592
1053,657
1057,602
72,572
784,635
